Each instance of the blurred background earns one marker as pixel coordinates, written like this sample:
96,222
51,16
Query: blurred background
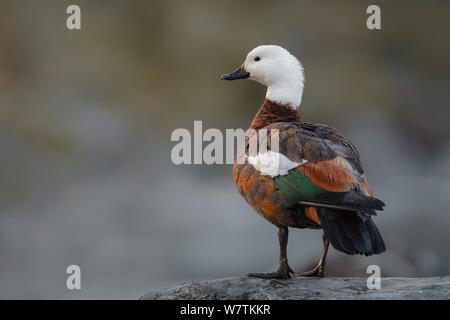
86,118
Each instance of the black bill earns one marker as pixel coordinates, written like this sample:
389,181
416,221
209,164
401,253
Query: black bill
239,73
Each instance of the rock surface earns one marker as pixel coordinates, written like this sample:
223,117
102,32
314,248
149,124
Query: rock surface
307,288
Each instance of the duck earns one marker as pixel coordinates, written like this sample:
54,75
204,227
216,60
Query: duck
312,178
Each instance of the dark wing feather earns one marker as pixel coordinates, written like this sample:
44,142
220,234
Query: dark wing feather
333,171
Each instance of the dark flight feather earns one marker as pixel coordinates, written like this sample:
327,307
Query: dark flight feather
351,234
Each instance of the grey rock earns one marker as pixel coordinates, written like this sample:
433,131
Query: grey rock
306,288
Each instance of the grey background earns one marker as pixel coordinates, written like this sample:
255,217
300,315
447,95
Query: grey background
86,118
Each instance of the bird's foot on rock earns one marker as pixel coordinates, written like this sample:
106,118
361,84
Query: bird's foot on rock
282,273
316,272
270,275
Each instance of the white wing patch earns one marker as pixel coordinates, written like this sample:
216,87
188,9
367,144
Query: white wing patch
273,164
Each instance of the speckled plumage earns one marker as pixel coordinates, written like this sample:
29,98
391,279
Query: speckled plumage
312,177
331,175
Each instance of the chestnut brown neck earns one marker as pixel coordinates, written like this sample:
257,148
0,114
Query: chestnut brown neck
272,112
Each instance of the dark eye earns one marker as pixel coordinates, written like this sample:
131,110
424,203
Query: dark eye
257,58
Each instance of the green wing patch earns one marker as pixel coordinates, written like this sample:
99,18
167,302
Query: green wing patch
296,187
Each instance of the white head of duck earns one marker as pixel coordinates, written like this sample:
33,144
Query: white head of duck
277,69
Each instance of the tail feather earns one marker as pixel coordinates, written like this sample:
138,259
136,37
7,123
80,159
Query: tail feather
377,241
351,233
348,201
